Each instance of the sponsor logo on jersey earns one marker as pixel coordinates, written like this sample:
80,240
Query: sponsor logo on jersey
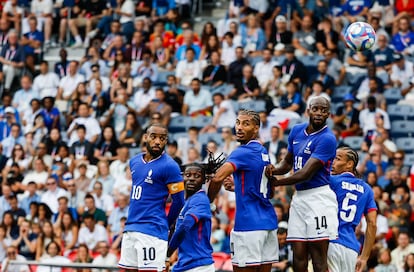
307,148
148,179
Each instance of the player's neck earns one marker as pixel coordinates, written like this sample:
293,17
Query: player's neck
149,157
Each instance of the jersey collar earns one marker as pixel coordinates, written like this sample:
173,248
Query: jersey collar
316,132
157,158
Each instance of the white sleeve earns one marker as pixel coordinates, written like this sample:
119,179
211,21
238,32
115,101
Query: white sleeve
179,69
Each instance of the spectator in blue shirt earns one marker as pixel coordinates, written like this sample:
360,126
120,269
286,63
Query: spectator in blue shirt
383,57
50,113
31,197
188,37
12,59
403,40
161,7
33,40
7,122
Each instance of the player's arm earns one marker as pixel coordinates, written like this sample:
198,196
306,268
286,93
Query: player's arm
189,221
369,241
306,173
282,167
223,172
176,191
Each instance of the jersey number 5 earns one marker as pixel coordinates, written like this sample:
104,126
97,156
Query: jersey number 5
136,192
348,211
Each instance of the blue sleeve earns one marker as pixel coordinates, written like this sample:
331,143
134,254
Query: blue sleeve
176,206
180,232
200,207
371,205
173,173
154,4
297,99
261,43
333,183
290,139
171,4
239,159
325,149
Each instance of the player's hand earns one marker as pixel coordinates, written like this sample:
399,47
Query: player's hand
229,183
270,168
360,265
167,266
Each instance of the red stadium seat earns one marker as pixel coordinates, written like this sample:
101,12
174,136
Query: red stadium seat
219,259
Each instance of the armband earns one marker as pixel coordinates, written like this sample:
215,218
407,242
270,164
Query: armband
213,207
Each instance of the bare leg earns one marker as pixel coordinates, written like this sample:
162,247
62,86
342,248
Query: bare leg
319,253
300,256
48,28
62,29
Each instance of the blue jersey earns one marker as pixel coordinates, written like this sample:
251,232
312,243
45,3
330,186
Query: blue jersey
320,145
355,198
254,210
149,194
401,42
195,249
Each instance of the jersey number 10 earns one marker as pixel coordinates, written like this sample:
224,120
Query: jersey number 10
136,192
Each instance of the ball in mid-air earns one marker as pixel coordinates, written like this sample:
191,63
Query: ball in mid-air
360,36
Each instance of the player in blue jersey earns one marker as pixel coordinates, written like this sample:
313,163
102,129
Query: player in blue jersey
193,229
155,175
253,241
313,213
355,198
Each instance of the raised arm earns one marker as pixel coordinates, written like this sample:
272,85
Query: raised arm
223,172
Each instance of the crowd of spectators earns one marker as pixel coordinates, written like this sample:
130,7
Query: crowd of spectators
68,129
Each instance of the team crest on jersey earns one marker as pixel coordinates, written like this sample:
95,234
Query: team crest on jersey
148,179
307,148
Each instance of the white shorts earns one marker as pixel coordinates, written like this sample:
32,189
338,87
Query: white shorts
313,215
340,258
250,248
204,268
143,252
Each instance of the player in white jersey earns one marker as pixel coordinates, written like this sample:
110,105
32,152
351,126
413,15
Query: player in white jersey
355,198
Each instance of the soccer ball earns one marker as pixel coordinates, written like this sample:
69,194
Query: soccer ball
360,36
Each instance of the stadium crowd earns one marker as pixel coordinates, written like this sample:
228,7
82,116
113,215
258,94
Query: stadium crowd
68,130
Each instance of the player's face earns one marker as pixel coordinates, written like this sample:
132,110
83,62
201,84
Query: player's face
156,139
193,180
340,163
318,112
246,129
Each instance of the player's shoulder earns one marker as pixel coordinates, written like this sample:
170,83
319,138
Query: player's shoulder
299,127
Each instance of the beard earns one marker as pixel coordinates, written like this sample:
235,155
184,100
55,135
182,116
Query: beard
153,153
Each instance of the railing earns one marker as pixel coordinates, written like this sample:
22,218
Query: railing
67,265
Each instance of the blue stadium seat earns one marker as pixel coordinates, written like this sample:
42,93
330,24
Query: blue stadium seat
406,144
179,135
354,142
392,95
400,112
402,129
201,121
409,159
205,137
256,105
254,60
339,93
224,89
179,124
235,105
162,77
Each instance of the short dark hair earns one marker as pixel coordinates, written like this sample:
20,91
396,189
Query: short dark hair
80,126
190,49
252,114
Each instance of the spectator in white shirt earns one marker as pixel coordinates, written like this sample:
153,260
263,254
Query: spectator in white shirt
118,167
46,83
144,68
93,130
228,53
188,68
402,71
22,98
52,257
38,175
13,256
196,101
103,201
367,116
403,249
68,83
91,233
223,114
50,197
105,257
144,95
263,70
